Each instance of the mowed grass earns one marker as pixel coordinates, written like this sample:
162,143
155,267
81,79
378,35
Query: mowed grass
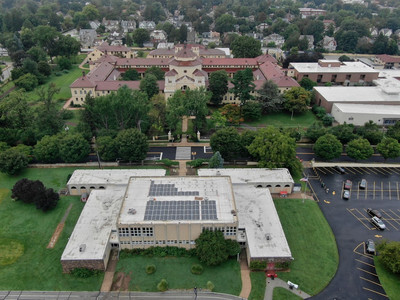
390,282
283,294
258,283
311,242
32,266
176,270
284,120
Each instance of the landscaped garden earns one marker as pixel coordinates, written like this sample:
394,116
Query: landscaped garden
177,272
311,242
284,120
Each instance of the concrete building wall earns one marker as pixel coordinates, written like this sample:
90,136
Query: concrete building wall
95,264
339,78
79,94
359,119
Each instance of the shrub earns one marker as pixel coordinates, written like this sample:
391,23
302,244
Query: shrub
150,269
320,112
28,82
282,265
327,120
197,162
58,73
65,71
168,163
196,269
84,272
258,265
162,286
210,286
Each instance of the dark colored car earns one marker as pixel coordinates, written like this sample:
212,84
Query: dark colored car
370,246
346,195
363,184
340,170
374,213
348,184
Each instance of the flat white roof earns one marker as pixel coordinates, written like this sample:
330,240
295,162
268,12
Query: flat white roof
196,189
110,176
251,175
356,94
346,67
370,109
93,229
258,215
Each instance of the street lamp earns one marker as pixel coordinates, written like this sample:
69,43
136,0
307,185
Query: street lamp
193,155
195,293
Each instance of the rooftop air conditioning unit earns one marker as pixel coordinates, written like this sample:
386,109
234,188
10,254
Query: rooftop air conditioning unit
82,248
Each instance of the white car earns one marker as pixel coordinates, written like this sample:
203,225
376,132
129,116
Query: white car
378,223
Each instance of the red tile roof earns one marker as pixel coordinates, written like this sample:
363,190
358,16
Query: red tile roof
101,72
190,63
285,81
142,62
82,82
266,57
251,62
171,73
201,73
115,85
388,59
106,47
186,53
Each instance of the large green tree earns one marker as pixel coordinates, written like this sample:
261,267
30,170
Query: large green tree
328,147
274,149
132,145
315,131
359,149
73,148
149,85
245,46
218,86
394,131
389,148
195,104
140,36
107,148
344,132
297,100
243,85
269,97
389,255
227,142
47,149
12,161
175,110
225,23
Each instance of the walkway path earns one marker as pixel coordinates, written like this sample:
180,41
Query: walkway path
246,282
271,284
182,167
184,129
59,228
109,274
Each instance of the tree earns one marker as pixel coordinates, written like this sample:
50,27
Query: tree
246,138
156,71
252,111
394,131
269,97
131,74
227,142
26,190
140,36
47,200
64,63
107,148
175,110
224,23
149,85
216,161
218,86
44,68
15,112
297,100
67,46
359,149
162,286
371,131
389,255
328,147
212,248
274,149
73,148
12,161
344,132
307,83
47,37
91,12
28,82
389,148
47,149
132,145
243,85
195,104
231,112
245,46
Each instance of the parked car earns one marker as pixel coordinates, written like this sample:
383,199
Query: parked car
378,223
346,195
348,184
374,213
370,246
363,184
340,170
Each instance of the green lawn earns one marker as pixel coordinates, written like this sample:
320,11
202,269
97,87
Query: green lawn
258,283
284,120
27,231
390,282
312,244
176,270
63,82
4,88
284,294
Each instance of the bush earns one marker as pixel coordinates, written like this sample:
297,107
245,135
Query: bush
258,265
65,71
168,163
150,269
320,112
64,63
210,286
84,272
160,252
67,114
28,82
196,269
327,120
197,162
282,265
162,286
58,73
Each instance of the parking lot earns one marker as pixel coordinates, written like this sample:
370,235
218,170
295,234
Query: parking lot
356,277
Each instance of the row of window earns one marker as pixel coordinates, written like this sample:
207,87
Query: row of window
225,230
136,231
84,188
159,242
82,92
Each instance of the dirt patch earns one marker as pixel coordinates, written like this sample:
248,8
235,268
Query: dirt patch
121,283
59,228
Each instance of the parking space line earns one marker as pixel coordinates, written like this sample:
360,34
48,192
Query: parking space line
319,169
328,170
374,191
366,190
370,170
365,263
382,190
384,295
387,220
363,171
358,190
397,187
394,213
348,169
358,218
367,272
394,171
312,189
370,281
379,171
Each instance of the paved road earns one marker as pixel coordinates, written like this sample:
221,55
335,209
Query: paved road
184,295
7,72
356,277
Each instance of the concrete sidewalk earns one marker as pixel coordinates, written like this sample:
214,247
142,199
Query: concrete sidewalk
271,284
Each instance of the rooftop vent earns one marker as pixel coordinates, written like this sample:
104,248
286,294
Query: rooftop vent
233,212
268,236
131,211
82,248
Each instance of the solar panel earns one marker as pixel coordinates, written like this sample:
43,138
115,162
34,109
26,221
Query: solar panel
168,190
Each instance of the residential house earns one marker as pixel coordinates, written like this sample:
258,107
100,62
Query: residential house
329,43
386,32
111,25
306,12
275,38
310,39
374,31
149,25
128,26
158,36
388,61
87,37
261,27
210,37
328,23
94,24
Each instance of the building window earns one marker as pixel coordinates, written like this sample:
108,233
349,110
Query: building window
230,231
123,231
135,231
76,92
362,77
348,77
147,231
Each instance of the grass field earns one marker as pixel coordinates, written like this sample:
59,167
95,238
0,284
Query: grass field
311,242
284,120
283,294
25,262
258,283
176,270
390,282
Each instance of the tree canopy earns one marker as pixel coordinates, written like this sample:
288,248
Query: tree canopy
218,86
226,141
245,46
359,149
269,97
389,148
297,100
132,145
389,255
328,147
243,85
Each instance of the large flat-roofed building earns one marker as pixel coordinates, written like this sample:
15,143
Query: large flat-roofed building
375,95
334,71
140,211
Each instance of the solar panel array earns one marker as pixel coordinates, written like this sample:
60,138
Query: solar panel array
168,190
180,210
